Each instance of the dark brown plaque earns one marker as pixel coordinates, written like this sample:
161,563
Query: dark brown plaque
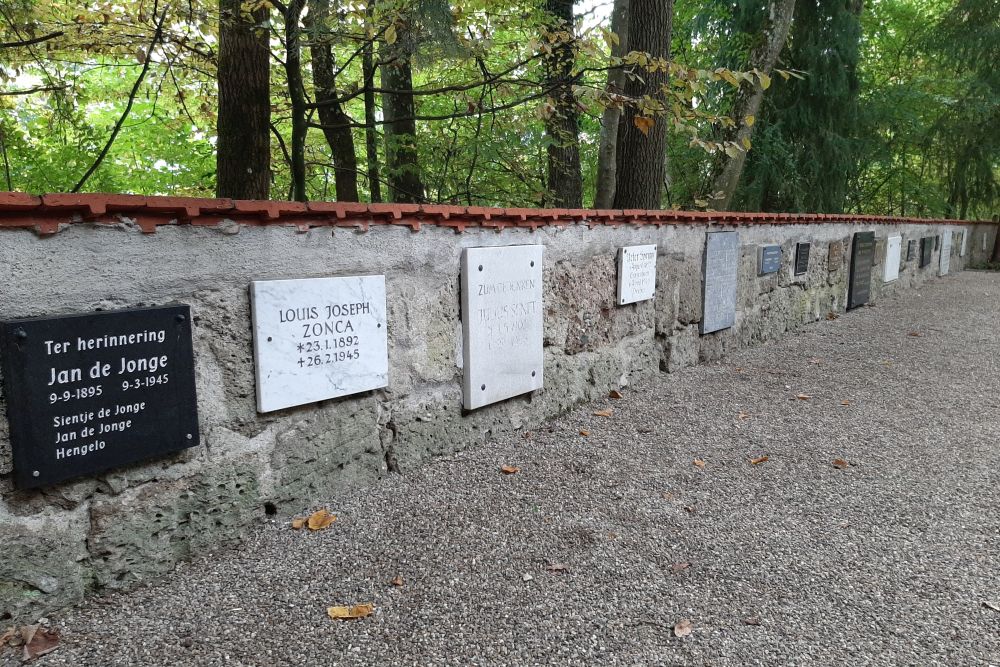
86,393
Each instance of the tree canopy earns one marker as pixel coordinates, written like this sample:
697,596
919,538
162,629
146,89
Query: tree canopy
883,107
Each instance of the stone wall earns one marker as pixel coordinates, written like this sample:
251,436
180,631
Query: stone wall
129,525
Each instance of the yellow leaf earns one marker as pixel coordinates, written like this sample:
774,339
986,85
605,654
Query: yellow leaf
509,470
765,80
297,523
745,141
607,412
760,459
644,123
749,121
730,77
352,612
390,35
320,520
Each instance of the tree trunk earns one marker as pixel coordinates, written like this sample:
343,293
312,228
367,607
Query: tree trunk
297,96
371,134
336,123
606,164
642,158
243,149
565,178
727,170
398,110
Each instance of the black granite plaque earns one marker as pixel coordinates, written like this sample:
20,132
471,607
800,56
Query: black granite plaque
937,242
911,249
862,260
926,249
801,258
86,393
769,260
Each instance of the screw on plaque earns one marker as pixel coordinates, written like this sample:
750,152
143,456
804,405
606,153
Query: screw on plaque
180,318
190,437
36,474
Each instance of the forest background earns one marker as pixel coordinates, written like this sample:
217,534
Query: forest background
885,107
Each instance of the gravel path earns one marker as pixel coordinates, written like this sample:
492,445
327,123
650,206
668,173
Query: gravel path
580,557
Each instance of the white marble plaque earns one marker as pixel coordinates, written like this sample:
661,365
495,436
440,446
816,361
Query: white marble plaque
722,250
318,338
636,273
501,323
945,253
965,242
893,252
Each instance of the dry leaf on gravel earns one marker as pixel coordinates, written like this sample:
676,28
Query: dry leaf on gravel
759,460
509,470
351,612
698,463
679,567
743,416
667,495
803,397
832,316
38,641
815,360
615,394
584,432
992,606
683,628
753,620
840,464
915,334
298,522
7,636
607,412
557,567
320,520
845,402
397,580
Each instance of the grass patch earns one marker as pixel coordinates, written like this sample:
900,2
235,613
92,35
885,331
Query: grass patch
985,266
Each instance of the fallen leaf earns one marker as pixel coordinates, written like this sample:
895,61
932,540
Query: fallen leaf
667,495
690,509
509,470
759,460
612,536
678,567
607,412
298,522
840,464
698,463
832,316
351,612
753,620
992,606
397,580
743,416
38,641
683,628
738,369
557,567
803,397
915,334
614,393
845,402
320,520
7,636
526,435
814,360
584,432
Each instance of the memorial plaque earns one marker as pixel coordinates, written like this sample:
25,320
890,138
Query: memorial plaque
801,258
945,259
893,248
501,322
722,258
636,273
911,249
862,261
965,243
937,242
87,393
318,338
926,249
768,259
835,259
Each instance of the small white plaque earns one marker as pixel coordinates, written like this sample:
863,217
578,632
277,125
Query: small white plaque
501,322
965,242
945,253
636,273
893,250
318,338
